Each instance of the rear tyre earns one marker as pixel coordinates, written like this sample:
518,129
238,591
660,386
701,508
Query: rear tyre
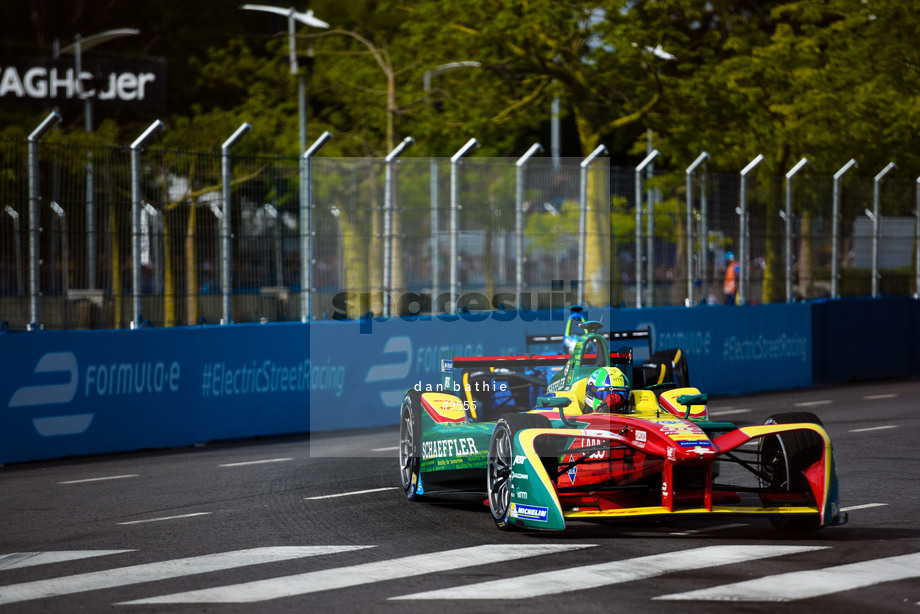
410,444
784,459
501,460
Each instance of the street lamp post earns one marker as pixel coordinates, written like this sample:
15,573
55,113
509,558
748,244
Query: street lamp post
307,19
77,48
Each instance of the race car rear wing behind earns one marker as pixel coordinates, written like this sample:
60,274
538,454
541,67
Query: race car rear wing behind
614,335
623,356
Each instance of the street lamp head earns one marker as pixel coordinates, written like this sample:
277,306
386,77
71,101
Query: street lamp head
84,44
304,18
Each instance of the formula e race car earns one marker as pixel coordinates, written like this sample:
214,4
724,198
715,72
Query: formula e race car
513,383
595,448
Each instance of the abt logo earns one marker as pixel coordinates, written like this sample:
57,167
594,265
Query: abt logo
64,366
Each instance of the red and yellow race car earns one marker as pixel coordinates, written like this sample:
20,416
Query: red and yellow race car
596,449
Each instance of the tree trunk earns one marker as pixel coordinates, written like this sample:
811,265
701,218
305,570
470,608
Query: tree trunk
374,262
681,273
806,282
355,252
169,279
116,267
398,278
774,272
191,265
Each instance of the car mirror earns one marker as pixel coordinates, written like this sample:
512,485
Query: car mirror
553,401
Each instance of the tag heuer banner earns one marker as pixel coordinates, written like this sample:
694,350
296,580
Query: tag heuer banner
138,84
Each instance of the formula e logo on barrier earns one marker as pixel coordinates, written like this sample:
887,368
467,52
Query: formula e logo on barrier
52,362
393,371
53,394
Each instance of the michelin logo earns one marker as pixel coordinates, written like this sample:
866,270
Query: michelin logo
528,512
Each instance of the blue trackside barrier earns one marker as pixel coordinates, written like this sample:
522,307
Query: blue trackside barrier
66,393
864,338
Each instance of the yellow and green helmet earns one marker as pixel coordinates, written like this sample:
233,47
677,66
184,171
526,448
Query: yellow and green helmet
607,391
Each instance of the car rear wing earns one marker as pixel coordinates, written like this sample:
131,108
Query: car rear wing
613,335
449,362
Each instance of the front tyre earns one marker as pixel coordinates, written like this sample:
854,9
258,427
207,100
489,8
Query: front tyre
410,444
501,460
785,457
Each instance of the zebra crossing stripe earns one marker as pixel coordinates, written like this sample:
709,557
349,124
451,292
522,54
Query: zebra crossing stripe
806,584
605,574
150,572
356,575
28,559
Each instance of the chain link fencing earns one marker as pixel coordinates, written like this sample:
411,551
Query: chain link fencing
469,235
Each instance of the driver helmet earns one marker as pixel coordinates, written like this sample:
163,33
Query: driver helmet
607,391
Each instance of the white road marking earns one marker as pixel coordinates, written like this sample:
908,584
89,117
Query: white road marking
257,462
725,412
813,403
390,449
28,559
808,584
874,428
357,575
109,477
711,529
605,574
348,494
166,518
876,397
862,507
152,572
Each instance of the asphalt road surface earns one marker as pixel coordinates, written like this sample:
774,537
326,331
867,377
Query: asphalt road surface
293,524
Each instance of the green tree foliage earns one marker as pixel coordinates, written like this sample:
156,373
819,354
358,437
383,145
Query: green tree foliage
822,79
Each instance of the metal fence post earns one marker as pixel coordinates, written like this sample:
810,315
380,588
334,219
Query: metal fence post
388,223
835,229
639,169
876,197
306,227
136,148
34,223
434,223
583,220
225,220
917,244
519,219
789,228
744,230
704,231
690,170
454,207
14,216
